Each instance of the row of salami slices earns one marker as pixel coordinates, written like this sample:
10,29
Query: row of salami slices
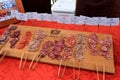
69,46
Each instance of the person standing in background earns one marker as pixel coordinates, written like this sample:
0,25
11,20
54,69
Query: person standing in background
40,6
108,8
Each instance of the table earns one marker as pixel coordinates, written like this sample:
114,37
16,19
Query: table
9,66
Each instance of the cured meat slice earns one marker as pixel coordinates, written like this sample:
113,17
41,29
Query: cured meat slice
35,43
80,47
56,49
93,41
20,46
5,35
70,40
24,40
46,48
67,53
15,38
105,47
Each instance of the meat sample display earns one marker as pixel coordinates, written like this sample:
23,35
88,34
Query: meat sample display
92,42
46,48
24,40
57,49
35,43
70,41
14,38
105,47
6,34
80,47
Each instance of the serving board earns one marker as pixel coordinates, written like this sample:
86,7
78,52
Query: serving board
89,62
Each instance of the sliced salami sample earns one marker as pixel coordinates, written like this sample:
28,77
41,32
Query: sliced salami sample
24,40
105,47
92,42
35,43
80,47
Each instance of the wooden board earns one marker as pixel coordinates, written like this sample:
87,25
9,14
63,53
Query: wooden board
89,61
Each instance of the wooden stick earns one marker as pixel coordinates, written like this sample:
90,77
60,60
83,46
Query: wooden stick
59,68
110,29
73,69
79,71
64,70
30,66
21,60
4,54
97,72
98,28
39,57
104,72
25,61
1,51
84,27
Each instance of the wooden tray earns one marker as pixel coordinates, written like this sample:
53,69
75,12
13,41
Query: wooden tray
89,61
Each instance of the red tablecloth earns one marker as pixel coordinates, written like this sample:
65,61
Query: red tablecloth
9,66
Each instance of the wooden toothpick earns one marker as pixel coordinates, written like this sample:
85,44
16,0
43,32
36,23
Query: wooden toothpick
73,69
64,70
39,57
104,72
25,61
98,28
4,54
21,60
59,68
30,66
97,72
110,29
79,71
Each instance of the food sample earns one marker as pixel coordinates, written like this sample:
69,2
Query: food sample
14,38
46,48
70,41
24,40
35,43
5,35
105,47
92,42
80,47
57,49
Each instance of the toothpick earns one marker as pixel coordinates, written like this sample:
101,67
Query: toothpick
64,69
59,68
25,61
73,69
32,61
1,51
104,72
84,27
36,62
110,29
4,54
98,28
79,71
21,60
97,72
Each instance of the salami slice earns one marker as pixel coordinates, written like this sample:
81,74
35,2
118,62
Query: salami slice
20,46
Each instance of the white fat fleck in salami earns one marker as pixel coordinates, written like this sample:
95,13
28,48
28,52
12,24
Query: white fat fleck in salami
80,47
92,42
